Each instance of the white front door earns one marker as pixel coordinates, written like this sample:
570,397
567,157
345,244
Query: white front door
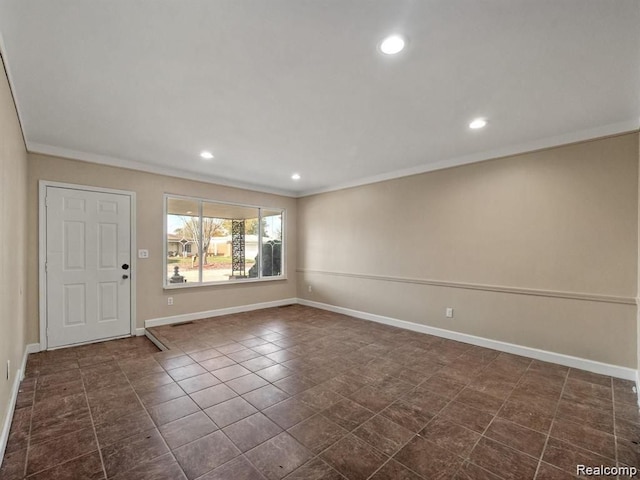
88,254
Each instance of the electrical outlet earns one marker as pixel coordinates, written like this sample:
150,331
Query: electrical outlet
143,253
310,288
449,312
8,369
169,300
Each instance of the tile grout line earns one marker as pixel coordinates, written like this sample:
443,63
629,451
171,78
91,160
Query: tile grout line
152,420
93,424
290,397
33,406
451,400
483,434
47,441
349,432
375,414
261,411
553,420
390,457
582,447
317,412
320,412
410,438
316,347
242,454
615,432
522,426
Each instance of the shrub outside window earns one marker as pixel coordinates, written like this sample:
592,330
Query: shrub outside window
210,242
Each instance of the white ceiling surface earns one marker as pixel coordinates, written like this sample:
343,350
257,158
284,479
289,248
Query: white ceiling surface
282,86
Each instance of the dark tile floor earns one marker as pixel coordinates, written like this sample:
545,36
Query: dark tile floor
300,393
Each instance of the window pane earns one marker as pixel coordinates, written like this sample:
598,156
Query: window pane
183,241
209,242
271,243
229,245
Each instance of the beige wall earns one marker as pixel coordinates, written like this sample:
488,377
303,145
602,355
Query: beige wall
150,188
13,234
545,245
539,249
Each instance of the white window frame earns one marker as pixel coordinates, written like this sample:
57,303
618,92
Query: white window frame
172,286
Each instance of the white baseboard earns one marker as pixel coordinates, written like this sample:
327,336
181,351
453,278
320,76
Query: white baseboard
139,332
30,348
19,376
187,317
9,415
544,355
529,352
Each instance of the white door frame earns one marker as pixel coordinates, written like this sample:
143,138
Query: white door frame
42,250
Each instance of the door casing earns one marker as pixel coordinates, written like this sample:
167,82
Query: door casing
42,251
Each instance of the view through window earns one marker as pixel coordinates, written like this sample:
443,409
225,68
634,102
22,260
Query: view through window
209,242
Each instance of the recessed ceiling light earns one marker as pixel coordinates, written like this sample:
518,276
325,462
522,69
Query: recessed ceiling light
478,123
295,176
207,155
392,45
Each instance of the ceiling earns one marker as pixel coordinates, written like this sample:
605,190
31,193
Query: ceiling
282,86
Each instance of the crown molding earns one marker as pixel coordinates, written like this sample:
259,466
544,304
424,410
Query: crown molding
42,149
591,134
523,148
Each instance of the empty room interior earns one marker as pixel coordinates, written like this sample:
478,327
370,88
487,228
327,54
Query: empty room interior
322,239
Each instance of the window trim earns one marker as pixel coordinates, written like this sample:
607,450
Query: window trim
169,286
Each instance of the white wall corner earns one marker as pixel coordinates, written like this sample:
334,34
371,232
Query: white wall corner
543,355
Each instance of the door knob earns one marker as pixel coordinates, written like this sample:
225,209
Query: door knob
125,266
125,276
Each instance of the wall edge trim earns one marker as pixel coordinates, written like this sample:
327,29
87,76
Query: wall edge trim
4,436
30,348
589,297
152,338
186,317
19,376
529,352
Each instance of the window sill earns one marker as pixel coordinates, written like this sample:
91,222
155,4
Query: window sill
177,286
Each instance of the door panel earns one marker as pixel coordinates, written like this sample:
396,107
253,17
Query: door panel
75,311
107,301
88,241
107,243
